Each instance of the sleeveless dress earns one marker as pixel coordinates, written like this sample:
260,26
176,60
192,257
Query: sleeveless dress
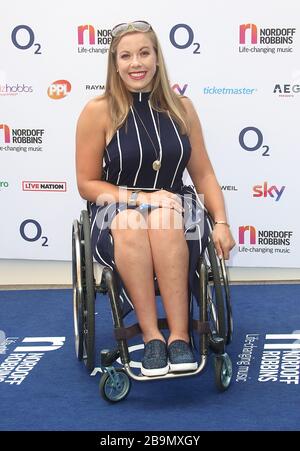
128,162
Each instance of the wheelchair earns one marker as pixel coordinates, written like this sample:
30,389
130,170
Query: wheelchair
214,325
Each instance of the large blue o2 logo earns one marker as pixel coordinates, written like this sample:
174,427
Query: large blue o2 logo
257,142
31,231
182,37
23,38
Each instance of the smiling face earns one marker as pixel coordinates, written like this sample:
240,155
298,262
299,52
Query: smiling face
136,61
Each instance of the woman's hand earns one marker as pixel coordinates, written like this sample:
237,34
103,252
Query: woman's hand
223,240
161,198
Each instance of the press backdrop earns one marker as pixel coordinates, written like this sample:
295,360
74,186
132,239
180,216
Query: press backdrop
238,63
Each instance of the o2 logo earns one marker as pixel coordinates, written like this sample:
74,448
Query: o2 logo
23,38
259,141
31,231
189,38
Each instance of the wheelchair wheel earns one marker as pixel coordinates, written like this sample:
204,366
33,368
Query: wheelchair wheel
114,388
77,290
83,291
219,305
223,371
88,288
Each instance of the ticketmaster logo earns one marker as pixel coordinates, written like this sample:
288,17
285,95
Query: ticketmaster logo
214,90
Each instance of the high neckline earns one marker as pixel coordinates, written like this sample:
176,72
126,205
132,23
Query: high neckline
140,96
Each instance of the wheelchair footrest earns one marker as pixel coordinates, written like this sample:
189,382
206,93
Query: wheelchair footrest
107,357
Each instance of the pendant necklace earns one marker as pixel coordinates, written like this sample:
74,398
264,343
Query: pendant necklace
156,165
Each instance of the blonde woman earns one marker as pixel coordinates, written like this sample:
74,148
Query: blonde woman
132,146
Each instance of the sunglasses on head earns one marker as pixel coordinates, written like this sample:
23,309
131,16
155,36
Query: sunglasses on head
138,25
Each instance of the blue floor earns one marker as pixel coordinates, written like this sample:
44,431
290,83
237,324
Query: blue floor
53,391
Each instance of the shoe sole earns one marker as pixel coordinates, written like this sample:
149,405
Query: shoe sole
155,371
174,367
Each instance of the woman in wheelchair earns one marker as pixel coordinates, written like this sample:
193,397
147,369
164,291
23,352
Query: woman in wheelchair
132,147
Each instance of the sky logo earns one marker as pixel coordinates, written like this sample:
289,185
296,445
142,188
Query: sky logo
6,132
86,32
251,230
252,31
264,191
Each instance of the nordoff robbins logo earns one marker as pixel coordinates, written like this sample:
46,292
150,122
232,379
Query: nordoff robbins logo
17,365
44,186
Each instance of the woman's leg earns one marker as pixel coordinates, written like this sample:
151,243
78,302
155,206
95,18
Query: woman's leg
171,263
134,264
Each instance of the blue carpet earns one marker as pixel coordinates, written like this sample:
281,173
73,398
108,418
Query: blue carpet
57,393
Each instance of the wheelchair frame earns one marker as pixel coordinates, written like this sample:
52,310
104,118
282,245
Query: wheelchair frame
214,326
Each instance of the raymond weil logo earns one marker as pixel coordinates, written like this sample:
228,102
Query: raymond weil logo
44,186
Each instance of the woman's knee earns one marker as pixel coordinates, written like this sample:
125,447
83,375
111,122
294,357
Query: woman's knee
130,227
128,220
165,219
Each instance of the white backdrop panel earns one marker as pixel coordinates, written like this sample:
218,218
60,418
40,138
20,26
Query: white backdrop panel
231,89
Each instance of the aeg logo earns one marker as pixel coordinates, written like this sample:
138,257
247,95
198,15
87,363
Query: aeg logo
59,89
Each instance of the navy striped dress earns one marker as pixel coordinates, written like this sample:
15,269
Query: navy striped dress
128,162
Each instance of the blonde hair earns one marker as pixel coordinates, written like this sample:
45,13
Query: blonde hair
162,97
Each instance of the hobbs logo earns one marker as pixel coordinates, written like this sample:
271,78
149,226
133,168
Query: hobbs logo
264,191
44,186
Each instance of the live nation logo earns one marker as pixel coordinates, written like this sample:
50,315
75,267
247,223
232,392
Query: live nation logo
279,361
18,364
44,186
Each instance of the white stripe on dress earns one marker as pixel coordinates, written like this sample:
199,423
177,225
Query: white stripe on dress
159,142
120,153
140,147
181,148
109,161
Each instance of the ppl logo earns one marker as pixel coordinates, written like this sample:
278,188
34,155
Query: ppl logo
252,31
251,232
90,34
180,90
6,132
264,191
59,89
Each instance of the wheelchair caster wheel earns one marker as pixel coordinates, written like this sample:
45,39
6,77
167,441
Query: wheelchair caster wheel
223,371
114,385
